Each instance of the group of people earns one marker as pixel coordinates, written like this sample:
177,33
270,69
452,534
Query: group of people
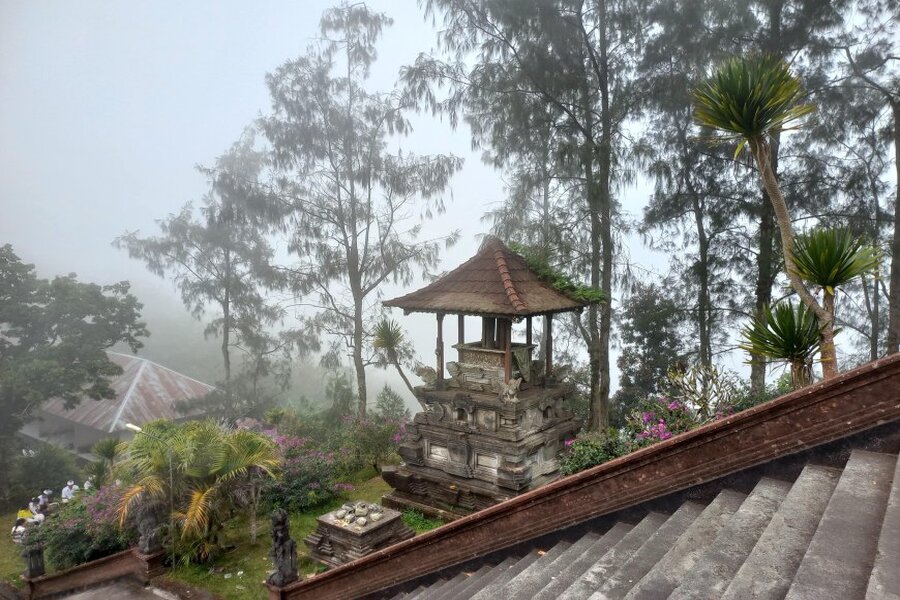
40,506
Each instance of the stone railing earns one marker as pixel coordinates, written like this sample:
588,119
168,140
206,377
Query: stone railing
129,564
853,402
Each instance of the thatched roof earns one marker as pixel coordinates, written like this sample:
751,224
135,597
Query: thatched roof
495,282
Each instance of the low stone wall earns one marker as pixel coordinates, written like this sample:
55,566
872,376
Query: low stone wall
129,564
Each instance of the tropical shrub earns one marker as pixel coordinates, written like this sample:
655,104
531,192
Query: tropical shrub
309,476
369,442
591,449
707,390
84,529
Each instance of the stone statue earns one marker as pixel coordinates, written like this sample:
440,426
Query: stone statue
455,372
34,560
427,374
148,526
510,392
284,551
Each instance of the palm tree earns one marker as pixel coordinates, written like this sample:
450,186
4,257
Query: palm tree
390,341
831,258
785,333
107,451
750,99
210,467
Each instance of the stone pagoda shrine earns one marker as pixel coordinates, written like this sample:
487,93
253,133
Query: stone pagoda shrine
495,419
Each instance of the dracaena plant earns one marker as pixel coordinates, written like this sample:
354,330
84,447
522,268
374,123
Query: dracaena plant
788,333
749,99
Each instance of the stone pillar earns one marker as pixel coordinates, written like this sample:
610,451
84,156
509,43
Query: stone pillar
34,561
284,551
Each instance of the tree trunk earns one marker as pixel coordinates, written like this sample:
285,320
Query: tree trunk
893,337
601,218
704,302
226,334
358,363
829,357
766,271
254,508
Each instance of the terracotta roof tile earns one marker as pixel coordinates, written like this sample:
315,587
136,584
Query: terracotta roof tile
494,282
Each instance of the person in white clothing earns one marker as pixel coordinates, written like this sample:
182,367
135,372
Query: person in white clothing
68,492
19,531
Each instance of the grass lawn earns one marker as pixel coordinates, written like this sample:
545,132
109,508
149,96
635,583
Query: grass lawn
11,564
239,574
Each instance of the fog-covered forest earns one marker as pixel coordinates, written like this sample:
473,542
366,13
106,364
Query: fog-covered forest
582,119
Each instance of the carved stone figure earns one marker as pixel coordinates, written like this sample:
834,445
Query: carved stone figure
148,527
284,551
510,392
427,374
34,560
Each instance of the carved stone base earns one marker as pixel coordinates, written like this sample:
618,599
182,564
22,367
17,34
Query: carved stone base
344,535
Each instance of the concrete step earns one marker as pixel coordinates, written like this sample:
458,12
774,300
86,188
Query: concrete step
618,584
769,570
681,558
613,560
581,564
462,588
716,567
840,557
477,584
417,594
448,588
510,587
527,583
492,590
885,580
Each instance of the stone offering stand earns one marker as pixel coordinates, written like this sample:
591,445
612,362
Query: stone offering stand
495,420
355,530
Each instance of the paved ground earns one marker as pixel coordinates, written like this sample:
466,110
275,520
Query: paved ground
123,590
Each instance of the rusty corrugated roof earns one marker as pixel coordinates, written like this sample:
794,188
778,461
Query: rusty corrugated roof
145,391
494,282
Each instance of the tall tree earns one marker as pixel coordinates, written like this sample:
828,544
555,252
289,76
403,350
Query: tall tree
54,336
353,208
568,66
651,334
869,55
220,258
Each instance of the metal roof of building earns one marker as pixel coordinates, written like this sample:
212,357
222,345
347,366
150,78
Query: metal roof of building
494,282
145,391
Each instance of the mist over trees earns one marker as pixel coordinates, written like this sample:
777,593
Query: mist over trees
572,102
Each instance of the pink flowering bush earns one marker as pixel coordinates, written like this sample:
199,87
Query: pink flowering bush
659,418
84,529
308,475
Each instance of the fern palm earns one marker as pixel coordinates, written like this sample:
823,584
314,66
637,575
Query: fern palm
750,100
389,339
211,464
785,333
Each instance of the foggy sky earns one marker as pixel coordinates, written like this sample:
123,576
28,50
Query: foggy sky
106,107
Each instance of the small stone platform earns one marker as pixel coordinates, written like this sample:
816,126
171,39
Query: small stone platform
355,530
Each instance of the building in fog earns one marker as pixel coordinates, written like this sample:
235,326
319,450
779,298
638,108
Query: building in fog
145,391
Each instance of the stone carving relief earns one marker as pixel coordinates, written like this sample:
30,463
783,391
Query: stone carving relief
510,391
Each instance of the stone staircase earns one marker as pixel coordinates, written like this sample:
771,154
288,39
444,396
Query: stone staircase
831,534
